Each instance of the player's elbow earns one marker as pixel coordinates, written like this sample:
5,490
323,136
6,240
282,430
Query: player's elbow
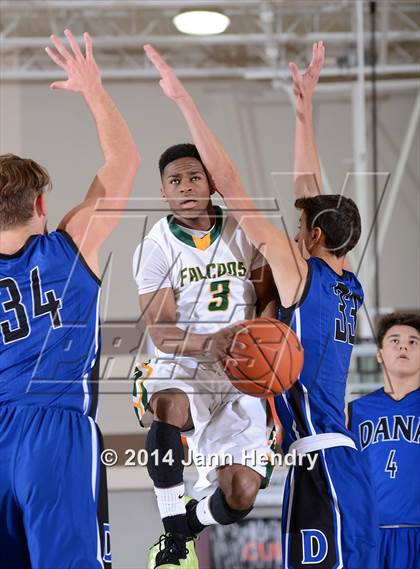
132,159
156,336
135,158
160,337
127,161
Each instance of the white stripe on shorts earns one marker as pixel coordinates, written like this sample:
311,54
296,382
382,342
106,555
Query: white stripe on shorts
95,449
337,513
86,387
289,514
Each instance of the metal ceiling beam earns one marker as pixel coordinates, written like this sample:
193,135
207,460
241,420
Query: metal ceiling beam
130,41
23,74
14,5
255,48
336,72
384,26
360,160
331,7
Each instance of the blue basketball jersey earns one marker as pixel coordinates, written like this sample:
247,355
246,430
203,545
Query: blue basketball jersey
324,321
49,326
388,434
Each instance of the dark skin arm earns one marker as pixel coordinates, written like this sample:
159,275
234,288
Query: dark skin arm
288,265
266,291
159,311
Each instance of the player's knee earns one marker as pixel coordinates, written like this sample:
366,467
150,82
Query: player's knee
172,408
243,489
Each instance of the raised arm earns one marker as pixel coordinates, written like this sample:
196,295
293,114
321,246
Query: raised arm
288,266
87,225
307,170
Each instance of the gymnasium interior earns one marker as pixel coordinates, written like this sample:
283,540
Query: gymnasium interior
366,115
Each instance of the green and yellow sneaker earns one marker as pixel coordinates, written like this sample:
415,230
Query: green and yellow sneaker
167,553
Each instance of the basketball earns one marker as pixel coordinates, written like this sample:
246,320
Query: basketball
270,360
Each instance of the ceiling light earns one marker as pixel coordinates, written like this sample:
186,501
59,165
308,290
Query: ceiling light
201,22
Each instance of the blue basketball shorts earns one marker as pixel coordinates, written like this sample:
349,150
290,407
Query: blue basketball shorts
53,497
399,548
329,518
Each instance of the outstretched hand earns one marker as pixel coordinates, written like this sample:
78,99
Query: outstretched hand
171,85
304,85
82,71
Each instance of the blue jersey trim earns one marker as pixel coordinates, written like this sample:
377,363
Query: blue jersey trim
350,415
285,314
399,400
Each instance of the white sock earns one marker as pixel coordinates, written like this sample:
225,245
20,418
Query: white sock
171,500
203,512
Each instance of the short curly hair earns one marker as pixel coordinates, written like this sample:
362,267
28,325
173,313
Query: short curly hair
396,319
338,218
184,150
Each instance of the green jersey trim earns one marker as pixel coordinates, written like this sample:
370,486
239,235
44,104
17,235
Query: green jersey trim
198,242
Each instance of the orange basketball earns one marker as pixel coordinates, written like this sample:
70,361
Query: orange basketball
270,361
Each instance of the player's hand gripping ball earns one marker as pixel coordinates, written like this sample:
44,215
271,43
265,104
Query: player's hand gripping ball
267,358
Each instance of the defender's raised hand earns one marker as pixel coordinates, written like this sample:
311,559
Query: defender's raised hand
114,179
82,70
304,84
171,85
